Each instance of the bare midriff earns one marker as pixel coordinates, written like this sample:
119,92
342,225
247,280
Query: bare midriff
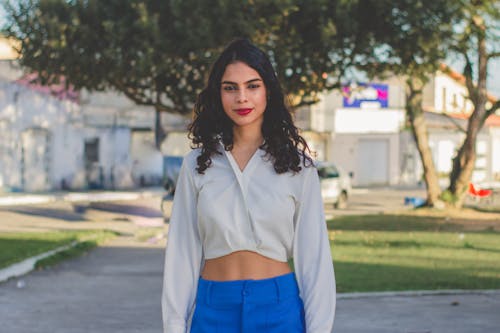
243,265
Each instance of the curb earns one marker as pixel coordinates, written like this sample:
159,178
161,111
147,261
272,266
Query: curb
27,265
418,293
26,199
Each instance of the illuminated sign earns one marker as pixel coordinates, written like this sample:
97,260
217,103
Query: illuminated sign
365,95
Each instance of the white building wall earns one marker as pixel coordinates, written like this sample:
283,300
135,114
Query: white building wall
323,112
112,108
114,162
147,161
368,121
353,131
429,95
495,155
348,151
481,172
444,146
410,165
25,115
450,96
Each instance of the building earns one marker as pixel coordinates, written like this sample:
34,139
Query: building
54,138
363,129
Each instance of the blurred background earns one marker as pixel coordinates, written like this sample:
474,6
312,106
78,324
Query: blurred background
398,99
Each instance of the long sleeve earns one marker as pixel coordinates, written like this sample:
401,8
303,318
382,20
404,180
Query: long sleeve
183,256
312,257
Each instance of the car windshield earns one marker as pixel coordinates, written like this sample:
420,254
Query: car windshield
328,172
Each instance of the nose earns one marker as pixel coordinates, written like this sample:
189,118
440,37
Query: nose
242,96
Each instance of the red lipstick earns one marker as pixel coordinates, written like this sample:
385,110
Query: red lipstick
243,112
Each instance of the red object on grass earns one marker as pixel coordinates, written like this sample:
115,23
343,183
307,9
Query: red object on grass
477,192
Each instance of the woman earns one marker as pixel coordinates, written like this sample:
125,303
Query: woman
247,200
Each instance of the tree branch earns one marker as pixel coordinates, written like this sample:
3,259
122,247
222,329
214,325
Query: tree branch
454,121
493,55
468,79
493,109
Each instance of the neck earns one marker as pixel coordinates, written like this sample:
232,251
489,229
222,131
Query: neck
247,137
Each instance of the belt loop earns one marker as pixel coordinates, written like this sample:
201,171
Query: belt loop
278,294
208,296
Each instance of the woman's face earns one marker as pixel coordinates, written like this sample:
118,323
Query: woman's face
243,95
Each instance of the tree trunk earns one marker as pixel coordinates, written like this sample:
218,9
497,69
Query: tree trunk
159,132
464,162
463,165
419,129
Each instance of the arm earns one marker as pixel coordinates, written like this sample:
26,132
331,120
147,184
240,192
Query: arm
183,257
312,257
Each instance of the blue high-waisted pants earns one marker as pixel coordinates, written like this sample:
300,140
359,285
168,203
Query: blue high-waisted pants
249,306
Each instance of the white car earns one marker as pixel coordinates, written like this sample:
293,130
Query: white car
335,184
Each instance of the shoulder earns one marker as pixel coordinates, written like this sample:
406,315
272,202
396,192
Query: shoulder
307,172
303,178
190,160
192,155
307,163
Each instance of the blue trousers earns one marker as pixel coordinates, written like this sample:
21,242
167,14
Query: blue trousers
249,306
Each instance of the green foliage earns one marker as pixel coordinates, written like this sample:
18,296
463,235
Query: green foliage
409,38
158,52
448,197
15,247
85,244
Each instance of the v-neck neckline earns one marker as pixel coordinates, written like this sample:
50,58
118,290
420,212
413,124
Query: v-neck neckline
247,167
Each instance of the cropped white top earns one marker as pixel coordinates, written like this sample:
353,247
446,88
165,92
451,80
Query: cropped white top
224,210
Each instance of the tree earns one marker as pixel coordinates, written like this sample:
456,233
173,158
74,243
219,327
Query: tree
134,47
410,39
476,36
157,52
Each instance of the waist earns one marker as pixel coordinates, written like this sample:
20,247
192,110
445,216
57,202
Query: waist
241,265
259,291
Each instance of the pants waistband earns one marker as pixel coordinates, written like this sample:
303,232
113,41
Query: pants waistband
262,291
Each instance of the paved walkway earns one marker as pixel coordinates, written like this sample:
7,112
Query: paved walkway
13,199
116,289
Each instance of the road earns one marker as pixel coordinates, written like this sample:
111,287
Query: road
373,201
116,287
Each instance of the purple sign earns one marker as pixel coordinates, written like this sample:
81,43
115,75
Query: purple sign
365,95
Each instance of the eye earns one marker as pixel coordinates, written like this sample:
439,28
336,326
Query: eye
228,87
253,86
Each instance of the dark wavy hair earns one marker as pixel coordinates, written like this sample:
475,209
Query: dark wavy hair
282,142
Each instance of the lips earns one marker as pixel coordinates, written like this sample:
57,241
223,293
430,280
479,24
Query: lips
243,112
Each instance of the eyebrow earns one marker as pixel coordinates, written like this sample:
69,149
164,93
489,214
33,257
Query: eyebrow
230,82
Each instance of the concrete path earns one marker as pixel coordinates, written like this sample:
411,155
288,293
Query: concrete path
21,198
459,313
112,289
116,288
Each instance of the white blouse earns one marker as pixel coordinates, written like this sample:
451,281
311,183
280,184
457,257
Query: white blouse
279,216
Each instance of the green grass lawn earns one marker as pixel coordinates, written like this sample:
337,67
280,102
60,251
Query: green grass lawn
371,253
388,252
15,247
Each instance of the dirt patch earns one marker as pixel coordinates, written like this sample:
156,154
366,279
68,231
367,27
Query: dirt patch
470,219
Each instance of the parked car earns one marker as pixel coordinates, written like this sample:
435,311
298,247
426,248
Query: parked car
171,168
335,184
